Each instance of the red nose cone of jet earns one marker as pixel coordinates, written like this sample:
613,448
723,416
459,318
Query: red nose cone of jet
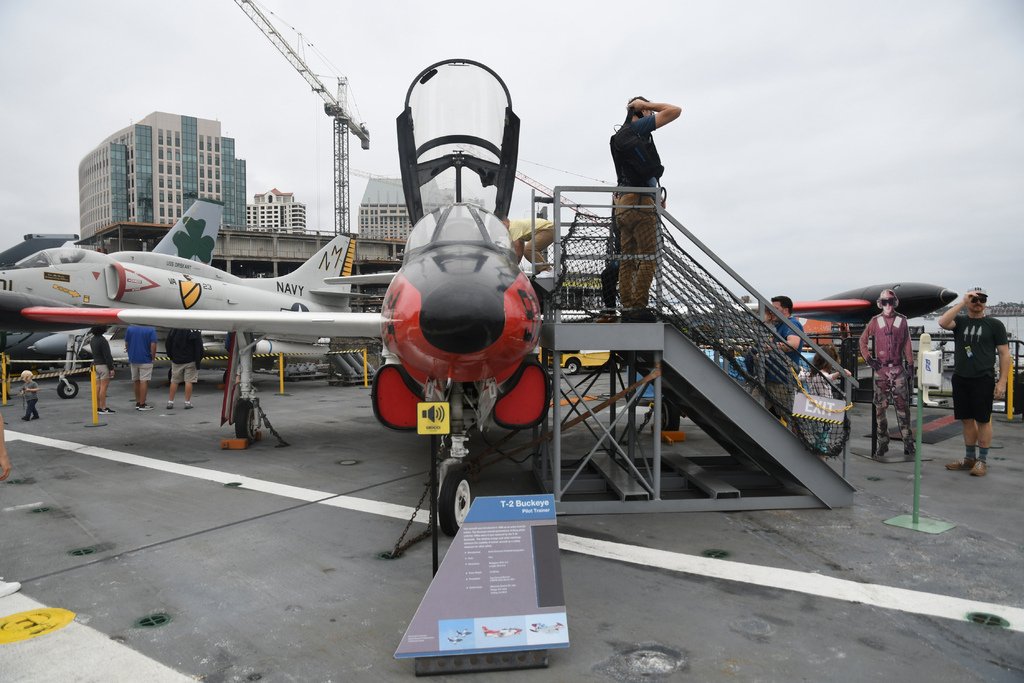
459,333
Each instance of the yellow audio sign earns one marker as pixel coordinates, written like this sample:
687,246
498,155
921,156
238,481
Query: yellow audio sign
432,418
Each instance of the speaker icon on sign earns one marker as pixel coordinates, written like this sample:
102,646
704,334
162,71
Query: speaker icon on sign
434,413
432,418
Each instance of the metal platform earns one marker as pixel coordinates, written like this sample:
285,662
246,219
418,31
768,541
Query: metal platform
761,464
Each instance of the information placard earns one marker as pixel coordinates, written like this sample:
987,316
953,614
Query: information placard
499,588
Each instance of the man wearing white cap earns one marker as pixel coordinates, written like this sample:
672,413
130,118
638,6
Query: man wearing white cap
978,339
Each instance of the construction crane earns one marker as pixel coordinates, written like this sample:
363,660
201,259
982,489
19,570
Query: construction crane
333,106
391,180
548,192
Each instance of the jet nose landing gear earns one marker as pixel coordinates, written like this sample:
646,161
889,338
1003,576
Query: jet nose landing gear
454,499
455,495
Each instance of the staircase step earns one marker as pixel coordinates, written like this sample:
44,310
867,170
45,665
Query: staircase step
701,478
624,484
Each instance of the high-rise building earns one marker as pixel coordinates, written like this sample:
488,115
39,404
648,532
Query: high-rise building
152,171
382,212
276,210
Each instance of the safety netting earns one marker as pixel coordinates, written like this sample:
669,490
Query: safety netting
686,295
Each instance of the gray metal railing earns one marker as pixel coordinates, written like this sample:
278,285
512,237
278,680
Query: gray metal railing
686,295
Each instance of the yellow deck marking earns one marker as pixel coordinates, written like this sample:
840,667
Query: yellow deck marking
37,622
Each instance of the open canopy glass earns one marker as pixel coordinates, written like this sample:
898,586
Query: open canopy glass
458,139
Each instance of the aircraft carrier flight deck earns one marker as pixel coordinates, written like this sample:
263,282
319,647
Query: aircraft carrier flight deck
181,561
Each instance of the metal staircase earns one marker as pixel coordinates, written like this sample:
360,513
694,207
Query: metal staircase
606,456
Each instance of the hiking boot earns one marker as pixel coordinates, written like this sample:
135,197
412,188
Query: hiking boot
8,587
980,469
639,315
965,464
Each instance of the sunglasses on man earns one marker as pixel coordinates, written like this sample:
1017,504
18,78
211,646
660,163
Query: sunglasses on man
979,298
886,302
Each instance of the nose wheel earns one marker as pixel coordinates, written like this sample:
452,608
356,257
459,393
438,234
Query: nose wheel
453,500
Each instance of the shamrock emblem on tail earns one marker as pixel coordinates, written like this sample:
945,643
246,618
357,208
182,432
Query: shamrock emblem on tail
194,245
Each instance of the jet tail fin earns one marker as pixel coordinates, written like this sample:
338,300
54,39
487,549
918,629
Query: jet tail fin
194,236
335,259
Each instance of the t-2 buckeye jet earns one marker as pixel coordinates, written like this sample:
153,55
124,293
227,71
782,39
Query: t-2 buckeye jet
460,320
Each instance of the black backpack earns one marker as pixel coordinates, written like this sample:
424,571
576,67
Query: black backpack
636,158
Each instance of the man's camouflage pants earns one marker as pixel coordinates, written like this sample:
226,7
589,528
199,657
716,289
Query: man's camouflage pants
892,385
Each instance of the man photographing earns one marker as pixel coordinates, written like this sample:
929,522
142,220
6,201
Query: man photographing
977,338
637,164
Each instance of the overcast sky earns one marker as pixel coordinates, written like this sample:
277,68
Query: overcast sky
822,146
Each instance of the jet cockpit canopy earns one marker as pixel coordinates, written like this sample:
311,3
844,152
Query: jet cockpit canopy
62,256
459,224
458,117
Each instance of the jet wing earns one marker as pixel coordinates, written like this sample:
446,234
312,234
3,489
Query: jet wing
321,324
334,294
369,279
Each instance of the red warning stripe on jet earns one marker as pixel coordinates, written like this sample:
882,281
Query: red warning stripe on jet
831,305
94,316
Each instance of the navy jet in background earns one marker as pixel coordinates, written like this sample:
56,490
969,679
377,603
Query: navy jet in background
71,276
191,238
176,275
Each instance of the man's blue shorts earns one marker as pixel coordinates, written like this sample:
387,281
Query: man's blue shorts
972,397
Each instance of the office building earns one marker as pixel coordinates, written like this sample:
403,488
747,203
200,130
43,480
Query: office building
276,211
152,171
382,212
